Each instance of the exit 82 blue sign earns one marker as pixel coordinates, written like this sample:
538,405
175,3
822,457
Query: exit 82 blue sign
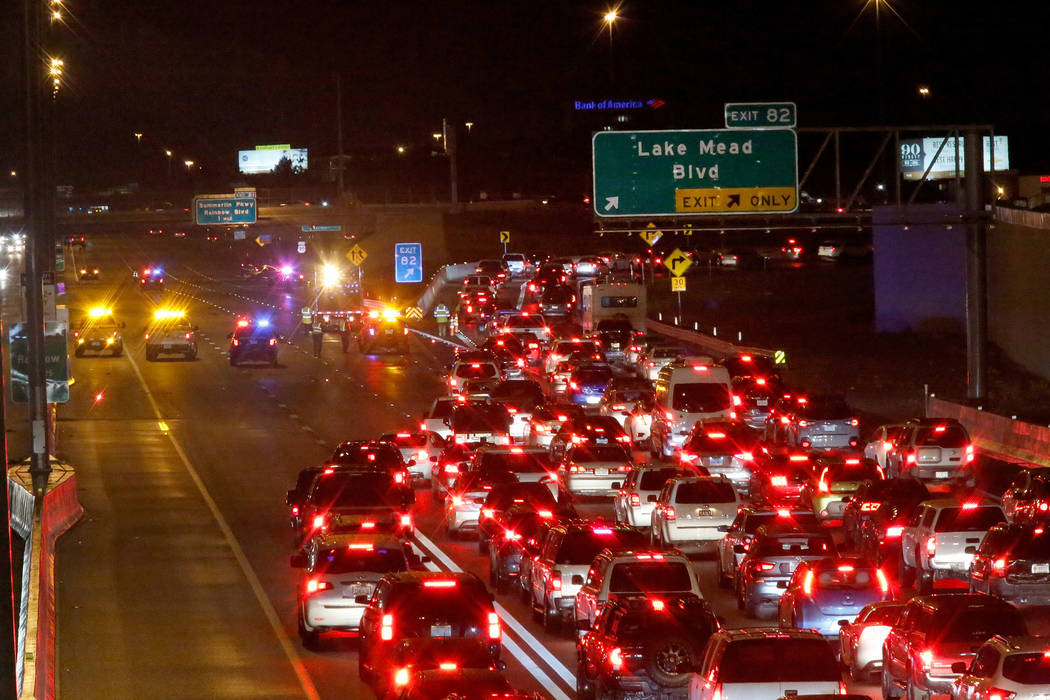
408,262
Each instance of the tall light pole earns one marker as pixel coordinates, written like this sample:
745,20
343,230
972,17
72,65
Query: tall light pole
610,19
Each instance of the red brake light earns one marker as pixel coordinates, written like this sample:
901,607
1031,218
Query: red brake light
318,522
316,585
784,513
807,583
439,583
699,368
615,659
999,566
969,505
745,456
798,458
763,566
602,531
778,480
636,500
884,584
931,546
658,605
854,422
869,507
894,531
716,436
386,632
493,620
545,514
448,666
406,520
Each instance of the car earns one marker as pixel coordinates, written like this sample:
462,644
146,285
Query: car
591,469
253,340
515,542
753,366
822,422
636,499
465,498
421,448
757,396
151,278
842,250
475,309
581,429
941,539
658,357
477,422
434,418
614,337
474,376
521,397
822,593
889,506
693,512
523,323
339,500
1027,498
337,569
838,477
780,476
723,448
476,283
516,263
410,606
565,557
761,663
450,680
295,498
99,333
617,403
933,633
587,383
383,330
375,456
454,460
495,269
649,572
937,451
882,443
88,273
539,497
688,391
1010,668
749,518
643,646
545,422
1013,563
557,301
860,640
770,561
170,333
561,350
639,423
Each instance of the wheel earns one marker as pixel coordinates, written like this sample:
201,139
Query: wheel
551,621
311,639
666,655
584,688
856,674
723,580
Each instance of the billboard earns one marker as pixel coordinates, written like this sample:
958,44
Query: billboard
265,160
917,154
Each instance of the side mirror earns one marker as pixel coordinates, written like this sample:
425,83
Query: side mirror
361,599
583,625
844,624
577,580
960,667
297,560
723,528
739,549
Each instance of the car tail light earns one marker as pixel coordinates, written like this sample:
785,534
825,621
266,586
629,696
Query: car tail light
318,522
886,445
386,631
461,439
869,507
623,438
784,420
760,566
969,454
493,619
448,666
619,407
926,659
273,341
894,531
778,480
399,477
969,505
745,456
556,582
406,520
669,415
401,677
842,688
649,557
636,500
884,584
688,457
807,583
421,455
798,458
1000,694
854,422
669,513
488,512
999,567
511,535
316,585
615,658
909,459
931,546
803,423
236,342
295,510
368,525
545,513
452,469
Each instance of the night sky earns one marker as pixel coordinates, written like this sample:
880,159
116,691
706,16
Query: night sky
205,79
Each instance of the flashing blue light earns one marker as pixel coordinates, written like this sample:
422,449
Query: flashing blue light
263,322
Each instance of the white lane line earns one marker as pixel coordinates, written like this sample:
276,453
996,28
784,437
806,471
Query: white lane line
509,644
238,553
507,617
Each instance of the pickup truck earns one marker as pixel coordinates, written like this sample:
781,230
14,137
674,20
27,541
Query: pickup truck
942,537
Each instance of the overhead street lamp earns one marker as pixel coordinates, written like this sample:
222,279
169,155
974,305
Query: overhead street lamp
138,136
189,165
924,91
400,150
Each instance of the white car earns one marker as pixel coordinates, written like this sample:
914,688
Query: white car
634,503
338,571
595,470
435,419
882,443
694,513
659,357
463,502
617,403
562,349
860,641
422,447
1006,668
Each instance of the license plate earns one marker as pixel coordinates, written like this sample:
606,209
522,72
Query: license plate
1041,568
441,630
761,402
167,346
601,472
615,346
356,590
601,441
941,475
716,461
593,399
389,331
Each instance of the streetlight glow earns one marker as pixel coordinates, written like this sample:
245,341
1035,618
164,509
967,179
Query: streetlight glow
138,137
924,91
189,164
167,153
610,16
400,149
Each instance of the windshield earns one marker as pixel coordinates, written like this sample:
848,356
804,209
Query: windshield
642,576
778,659
614,325
557,295
705,491
581,547
1032,668
968,520
476,370
346,561
707,397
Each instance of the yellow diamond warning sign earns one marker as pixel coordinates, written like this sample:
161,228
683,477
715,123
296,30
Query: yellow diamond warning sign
735,200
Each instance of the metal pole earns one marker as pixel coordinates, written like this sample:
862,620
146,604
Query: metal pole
897,167
339,132
37,203
838,174
8,619
976,279
449,133
679,305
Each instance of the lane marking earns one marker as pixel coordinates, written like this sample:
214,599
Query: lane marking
505,614
509,644
238,553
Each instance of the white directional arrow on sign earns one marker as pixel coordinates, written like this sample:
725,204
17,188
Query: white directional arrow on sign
612,203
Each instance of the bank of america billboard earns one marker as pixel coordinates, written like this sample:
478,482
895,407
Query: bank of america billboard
917,154
265,160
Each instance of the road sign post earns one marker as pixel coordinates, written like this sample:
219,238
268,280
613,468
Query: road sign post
504,238
408,262
678,262
693,172
744,115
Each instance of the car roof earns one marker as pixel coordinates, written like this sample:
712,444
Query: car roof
1032,642
954,600
736,635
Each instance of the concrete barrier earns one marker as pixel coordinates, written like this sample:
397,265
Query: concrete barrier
719,348
58,511
1001,436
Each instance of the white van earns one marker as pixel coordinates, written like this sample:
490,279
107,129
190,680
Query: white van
688,390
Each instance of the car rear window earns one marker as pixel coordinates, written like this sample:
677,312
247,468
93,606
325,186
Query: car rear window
442,408
664,353
793,545
581,547
968,519
705,491
557,295
471,419
346,561
371,456
505,495
1028,669
524,322
978,624
419,610
350,489
951,437
593,376
599,453
644,576
884,615
406,440
778,659
476,370
800,520
865,471
565,347
697,397
846,578
654,479
828,409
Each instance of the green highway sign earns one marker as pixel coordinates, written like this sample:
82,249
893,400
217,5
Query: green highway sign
742,115
695,172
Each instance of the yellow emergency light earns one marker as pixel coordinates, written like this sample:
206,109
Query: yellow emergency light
391,314
168,314
100,311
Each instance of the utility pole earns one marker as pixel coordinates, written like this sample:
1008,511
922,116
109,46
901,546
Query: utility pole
339,133
448,132
976,273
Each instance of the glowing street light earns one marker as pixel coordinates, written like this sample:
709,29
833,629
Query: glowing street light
138,136
924,91
610,16
189,164
401,150
469,125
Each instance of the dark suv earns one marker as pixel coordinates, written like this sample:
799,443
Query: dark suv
253,341
1013,563
641,645
936,631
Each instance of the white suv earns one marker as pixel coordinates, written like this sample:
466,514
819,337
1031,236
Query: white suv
1005,667
694,512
